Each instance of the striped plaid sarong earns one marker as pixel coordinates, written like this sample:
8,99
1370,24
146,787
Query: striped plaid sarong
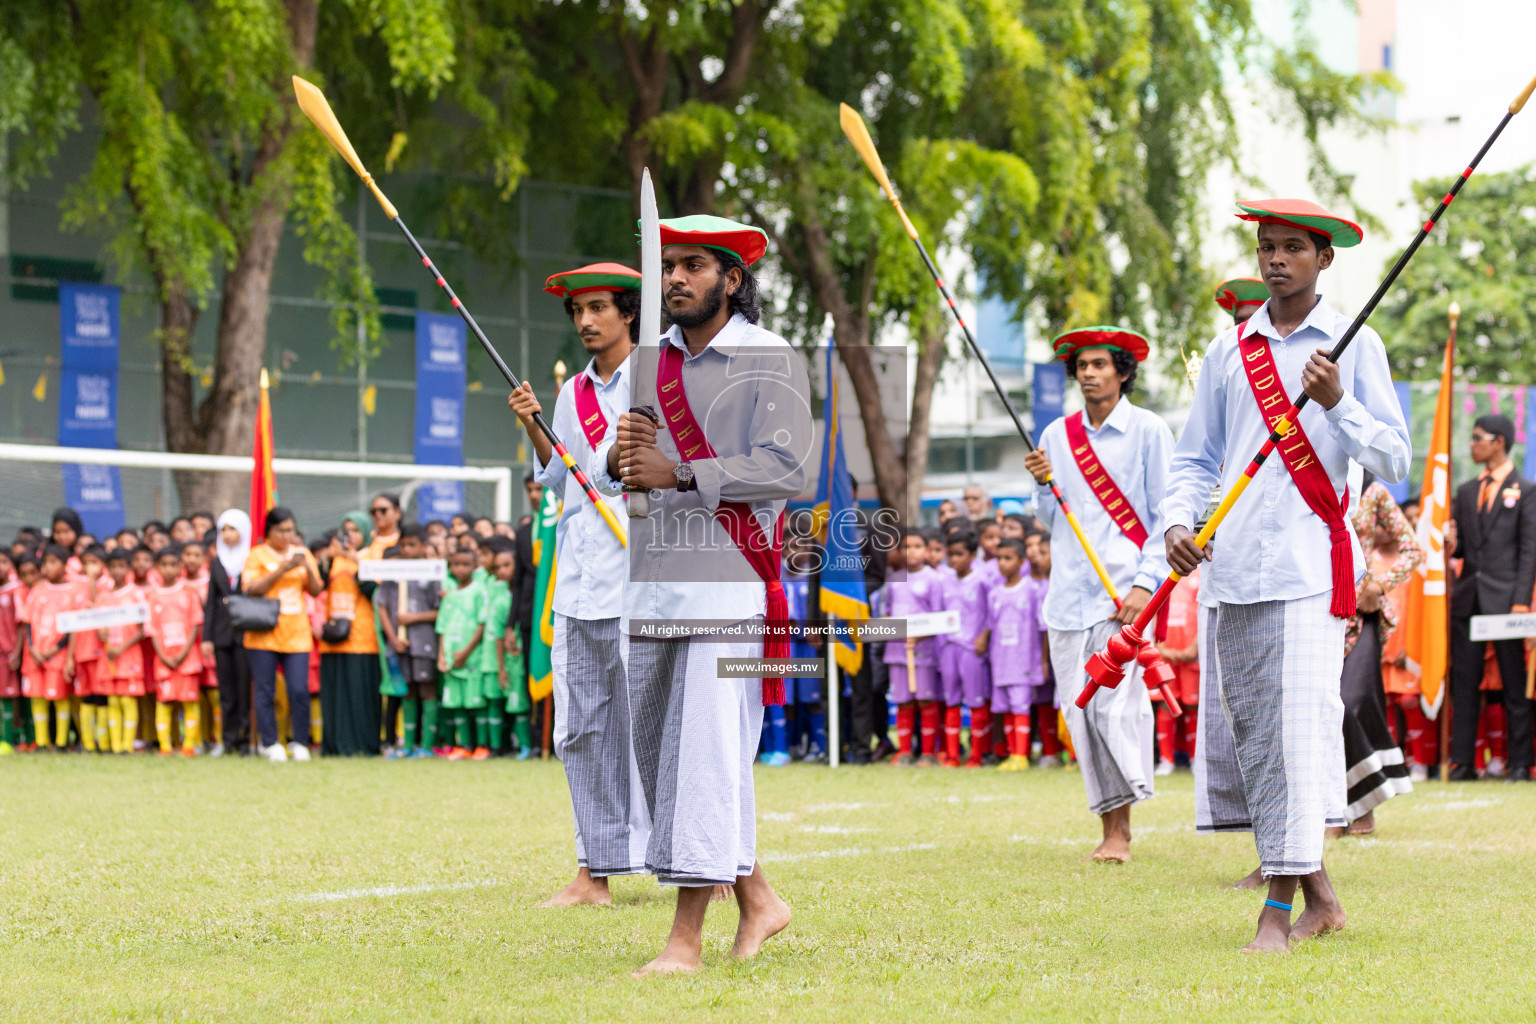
1113,736
592,738
1220,805
1279,664
696,738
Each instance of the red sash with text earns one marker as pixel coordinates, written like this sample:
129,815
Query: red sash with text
593,423
762,551
1301,462
1101,483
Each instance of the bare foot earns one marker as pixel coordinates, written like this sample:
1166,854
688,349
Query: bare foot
1274,933
1333,832
763,914
669,963
1252,880
722,893
1116,847
584,890
1363,826
1318,919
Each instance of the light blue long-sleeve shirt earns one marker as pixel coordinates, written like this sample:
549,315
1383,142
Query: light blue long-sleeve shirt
1134,446
1271,546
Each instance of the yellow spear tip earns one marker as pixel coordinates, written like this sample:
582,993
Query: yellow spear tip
1525,94
1455,310
264,383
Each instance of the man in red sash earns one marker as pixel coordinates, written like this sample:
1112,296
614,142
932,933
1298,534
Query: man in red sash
732,445
592,734
1111,462
1285,565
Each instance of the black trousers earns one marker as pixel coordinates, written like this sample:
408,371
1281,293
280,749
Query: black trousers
1466,695
860,705
234,673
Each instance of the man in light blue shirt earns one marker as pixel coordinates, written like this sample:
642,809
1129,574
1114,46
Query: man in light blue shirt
1278,638
592,730
1110,462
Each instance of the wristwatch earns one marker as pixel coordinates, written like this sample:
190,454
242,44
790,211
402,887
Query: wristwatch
684,474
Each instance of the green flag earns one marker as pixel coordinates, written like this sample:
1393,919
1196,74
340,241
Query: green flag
541,679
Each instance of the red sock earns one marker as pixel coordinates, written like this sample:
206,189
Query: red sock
1021,735
1000,735
981,732
1191,728
1009,724
1050,743
905,714
1423,742
1165,724
952,732
930,719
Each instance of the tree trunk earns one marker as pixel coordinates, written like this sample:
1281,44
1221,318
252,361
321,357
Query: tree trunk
225,421
928,326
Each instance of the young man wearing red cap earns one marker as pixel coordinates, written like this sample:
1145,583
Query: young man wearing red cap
1111,463
1284,568
703,581
592,733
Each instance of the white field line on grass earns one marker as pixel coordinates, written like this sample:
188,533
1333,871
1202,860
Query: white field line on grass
383,890
847,851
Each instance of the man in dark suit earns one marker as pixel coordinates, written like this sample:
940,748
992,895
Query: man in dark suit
1494,532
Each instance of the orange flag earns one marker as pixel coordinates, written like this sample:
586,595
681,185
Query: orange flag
263,482
1427,629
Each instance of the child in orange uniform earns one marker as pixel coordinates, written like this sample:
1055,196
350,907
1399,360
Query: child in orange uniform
175,626
1181,649
91,689
12,718
194,563
48,665
122,654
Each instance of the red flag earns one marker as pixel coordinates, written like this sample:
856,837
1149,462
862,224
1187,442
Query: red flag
1427,628
263,482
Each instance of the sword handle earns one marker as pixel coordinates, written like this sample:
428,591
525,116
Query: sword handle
637,500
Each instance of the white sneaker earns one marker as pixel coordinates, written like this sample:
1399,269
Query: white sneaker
1495,768
1163,768
275,753
1418,773
298,752
217,750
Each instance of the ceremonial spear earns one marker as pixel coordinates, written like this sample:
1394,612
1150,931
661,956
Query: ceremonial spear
1105,669
313,102
1158,674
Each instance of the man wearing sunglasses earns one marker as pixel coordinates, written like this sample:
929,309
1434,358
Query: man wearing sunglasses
1493,531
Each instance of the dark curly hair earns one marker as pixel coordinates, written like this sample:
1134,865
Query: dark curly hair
628,302
1124,363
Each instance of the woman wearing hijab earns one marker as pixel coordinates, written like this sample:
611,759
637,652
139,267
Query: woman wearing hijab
283,569
66,530
349,665
232,544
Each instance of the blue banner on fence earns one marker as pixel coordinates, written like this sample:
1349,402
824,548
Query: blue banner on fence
440,380
1399,492
1050,394
89,341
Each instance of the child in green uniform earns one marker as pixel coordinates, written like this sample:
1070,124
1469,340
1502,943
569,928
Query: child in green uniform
460,626
499,663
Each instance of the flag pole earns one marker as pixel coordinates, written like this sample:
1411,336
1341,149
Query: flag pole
1105,669
1444,718
1158,674
315,106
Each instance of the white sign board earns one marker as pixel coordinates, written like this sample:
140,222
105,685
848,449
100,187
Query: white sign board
1503,627
409,570
103,618
933,623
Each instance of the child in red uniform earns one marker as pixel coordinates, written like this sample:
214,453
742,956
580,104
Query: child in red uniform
194,565
11,715
175,624
91,689
122,654
48,663
1181,649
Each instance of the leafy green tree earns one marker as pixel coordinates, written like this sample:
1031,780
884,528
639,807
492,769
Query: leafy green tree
1481,255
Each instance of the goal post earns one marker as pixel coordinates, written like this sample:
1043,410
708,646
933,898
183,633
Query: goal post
319,490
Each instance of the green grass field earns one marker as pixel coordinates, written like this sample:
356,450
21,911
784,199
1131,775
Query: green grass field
145,890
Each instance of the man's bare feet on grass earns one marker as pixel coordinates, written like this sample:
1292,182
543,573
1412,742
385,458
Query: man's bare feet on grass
686,941
1116,847
1274,933
1252,880
722,893
1333,831
1323,913
1363,825
584,890
763,914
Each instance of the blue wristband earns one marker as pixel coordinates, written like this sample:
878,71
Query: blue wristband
1278,905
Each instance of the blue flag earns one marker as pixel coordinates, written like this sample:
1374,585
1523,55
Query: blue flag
842,574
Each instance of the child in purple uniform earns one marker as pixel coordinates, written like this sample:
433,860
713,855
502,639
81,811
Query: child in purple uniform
1037,551
913,593
966,675
1012,639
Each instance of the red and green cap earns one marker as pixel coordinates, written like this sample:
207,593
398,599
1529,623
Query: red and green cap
743,241
1241,291
1068,343
598,277
1301,213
